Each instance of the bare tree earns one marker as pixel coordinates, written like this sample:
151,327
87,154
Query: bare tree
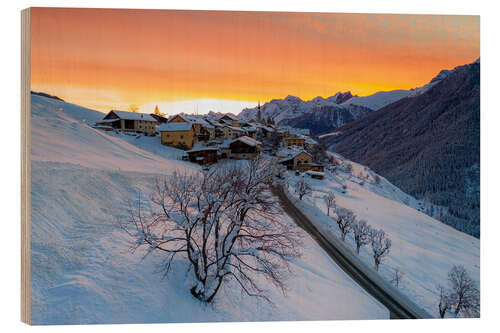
361,231
302,187
329,201
397,277
444,301
133,108
345,221
464,294
381,245
224,222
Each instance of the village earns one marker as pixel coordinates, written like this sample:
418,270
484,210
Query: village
207,139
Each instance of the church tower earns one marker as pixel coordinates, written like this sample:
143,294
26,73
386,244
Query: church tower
259,116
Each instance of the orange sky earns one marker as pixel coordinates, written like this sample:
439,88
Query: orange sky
104,58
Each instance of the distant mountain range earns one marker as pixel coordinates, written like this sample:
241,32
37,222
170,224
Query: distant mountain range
427,143
322,115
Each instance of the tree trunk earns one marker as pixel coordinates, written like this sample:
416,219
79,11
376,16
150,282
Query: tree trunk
211,297
442,312
459,306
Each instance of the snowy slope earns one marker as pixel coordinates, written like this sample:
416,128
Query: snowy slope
377,100
61,132
82,270
422,247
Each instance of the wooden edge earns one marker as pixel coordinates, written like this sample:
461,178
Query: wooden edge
25,167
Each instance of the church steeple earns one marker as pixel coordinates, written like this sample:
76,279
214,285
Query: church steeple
157,110
259,116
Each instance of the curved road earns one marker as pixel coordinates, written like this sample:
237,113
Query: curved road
399,306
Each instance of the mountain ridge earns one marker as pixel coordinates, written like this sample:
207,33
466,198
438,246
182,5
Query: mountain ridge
428,145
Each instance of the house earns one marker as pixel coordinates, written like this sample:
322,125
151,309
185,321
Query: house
311,167
231,120
230,132
245,148
293,160
129,122
203,155
203,130
179,118
177,134
295,140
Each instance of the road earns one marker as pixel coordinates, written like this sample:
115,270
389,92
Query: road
398,305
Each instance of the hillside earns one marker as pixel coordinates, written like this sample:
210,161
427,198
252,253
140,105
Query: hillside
82,269
423,249
427,144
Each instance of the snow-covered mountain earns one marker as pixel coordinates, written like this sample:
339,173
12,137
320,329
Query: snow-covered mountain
318,115
377,100
321,115
428,144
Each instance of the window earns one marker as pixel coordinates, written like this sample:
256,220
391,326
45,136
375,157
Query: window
182,136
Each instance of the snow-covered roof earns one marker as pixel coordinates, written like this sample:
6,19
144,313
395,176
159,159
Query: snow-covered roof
311,141
292,155
230,116
234,128
267,128
248,141
180,115
315,173
174,127
202,122
296,137
133,115
107,121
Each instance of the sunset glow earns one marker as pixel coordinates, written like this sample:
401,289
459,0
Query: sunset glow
107,59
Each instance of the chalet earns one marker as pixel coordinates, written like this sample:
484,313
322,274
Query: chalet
231,120
245,148
231,132
177,134
203,155
295,140
129,122
203,130
311,167
294,160
179,118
